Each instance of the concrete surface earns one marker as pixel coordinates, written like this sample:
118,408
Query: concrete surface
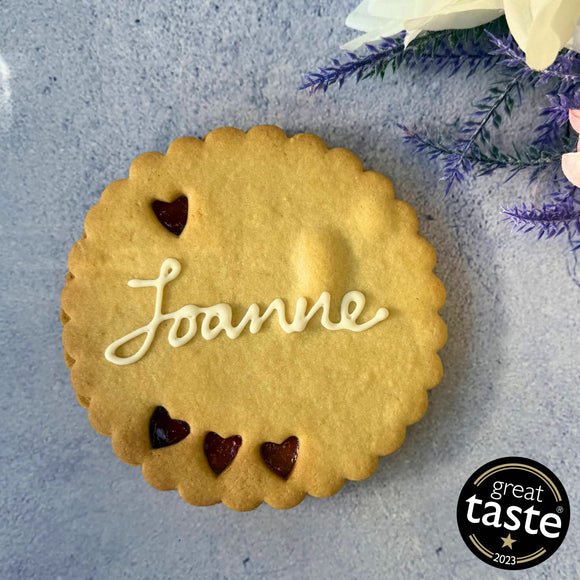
85,86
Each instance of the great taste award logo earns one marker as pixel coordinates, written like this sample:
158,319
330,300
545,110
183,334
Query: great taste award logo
513,513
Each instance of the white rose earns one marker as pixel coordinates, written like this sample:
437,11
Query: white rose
543,27
540,27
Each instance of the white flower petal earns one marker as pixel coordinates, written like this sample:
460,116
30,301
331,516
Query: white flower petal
457,14
361,19
458,20
401,9
519,17
574,43
542,27
367,38
410,36
375,27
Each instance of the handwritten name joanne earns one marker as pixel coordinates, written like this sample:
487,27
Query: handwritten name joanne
171,268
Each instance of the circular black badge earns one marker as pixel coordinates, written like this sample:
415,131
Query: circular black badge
513,513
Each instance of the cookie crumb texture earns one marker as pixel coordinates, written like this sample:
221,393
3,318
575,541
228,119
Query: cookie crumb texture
269,415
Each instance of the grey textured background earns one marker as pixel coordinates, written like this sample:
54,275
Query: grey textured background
86,86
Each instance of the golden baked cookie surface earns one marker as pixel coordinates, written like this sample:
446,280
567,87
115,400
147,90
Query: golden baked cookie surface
270,221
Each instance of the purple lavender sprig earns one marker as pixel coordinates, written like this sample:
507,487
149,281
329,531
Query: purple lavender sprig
486,110
466,153
390,51
439,50
551,220
484,160
472,149
556,124
564,70
563,75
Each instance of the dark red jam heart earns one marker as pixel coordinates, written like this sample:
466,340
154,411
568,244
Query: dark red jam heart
280,458
220,452
165,431
172,215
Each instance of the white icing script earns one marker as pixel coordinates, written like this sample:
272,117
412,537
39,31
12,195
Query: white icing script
171,268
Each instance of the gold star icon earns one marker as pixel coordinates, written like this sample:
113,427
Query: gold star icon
508,541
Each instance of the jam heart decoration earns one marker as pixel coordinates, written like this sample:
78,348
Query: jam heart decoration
165,431
172,215
221,452
280,457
